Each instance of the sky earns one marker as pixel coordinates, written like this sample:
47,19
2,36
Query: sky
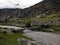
18,3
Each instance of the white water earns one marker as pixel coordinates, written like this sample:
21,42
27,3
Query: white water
14,27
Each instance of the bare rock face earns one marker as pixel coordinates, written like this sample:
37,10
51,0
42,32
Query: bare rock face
8,14
44,7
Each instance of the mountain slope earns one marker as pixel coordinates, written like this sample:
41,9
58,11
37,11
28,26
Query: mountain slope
46,7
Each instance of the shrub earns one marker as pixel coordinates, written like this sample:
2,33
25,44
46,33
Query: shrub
28,24
44,26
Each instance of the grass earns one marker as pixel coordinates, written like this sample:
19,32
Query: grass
9,39
1,28
33,19
7,23
28,38
56,28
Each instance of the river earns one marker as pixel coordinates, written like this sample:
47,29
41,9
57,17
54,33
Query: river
13,27
46,37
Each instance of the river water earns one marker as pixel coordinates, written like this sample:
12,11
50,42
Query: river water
13,27
48,38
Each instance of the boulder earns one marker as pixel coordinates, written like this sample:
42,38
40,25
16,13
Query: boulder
3,31
33,43
23,40
18,30
26,31
51,30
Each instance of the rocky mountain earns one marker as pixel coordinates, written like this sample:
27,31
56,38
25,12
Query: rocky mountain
6,14
43,8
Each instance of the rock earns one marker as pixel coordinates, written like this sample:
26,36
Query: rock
28,42
51,30
26,31
3,31
33,43
40,43
42,8
18,30
23,40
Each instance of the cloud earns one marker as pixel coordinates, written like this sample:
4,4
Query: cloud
13,3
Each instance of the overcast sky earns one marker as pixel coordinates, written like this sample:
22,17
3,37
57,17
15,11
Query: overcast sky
22,3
